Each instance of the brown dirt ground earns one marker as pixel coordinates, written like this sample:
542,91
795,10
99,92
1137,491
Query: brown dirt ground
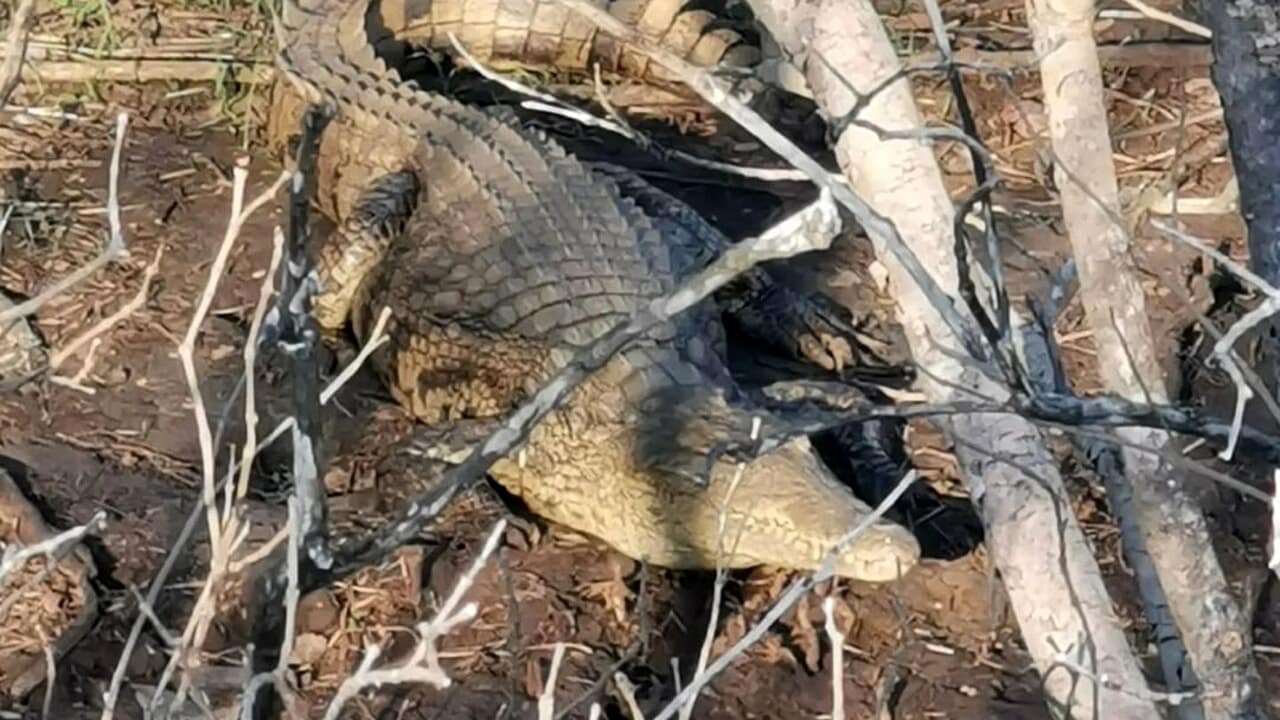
939,643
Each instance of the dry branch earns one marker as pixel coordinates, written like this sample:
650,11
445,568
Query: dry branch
114,249
1174,530
1051,577
15,555
193,518
836,638
139,299
1137,54
62,72
224,535
422,666
1169,18
15,48
292,326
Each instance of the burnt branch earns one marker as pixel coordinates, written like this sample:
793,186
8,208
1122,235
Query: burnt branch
810,229
293,328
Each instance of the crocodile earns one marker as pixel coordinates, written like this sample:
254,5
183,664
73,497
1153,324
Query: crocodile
501,256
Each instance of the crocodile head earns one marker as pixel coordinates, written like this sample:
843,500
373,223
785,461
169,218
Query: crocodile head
615,481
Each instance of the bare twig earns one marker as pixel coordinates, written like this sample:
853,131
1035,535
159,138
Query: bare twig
1273,561
837,658
242,70
1223,352
422,666
278,676
722,576
628,692
291,532
148,610
105,324
52,548
292,326
186,349
547,701
50,673
223,538
1171,698
192,522
377,339
15,48
789,598
115,248
250,362
1169,18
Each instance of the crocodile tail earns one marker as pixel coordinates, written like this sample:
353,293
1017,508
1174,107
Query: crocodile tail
309,25
545,35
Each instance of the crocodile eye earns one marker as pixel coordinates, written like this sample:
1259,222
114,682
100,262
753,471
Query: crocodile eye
414,9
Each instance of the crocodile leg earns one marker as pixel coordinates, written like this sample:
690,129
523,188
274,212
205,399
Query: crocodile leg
378,217
805,327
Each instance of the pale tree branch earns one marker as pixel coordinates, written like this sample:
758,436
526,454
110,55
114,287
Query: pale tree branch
224,538
1174,531
1169,18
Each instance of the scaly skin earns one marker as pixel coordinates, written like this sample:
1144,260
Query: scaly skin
500,256
546,36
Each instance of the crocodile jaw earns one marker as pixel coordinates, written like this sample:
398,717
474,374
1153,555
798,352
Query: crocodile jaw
796,512
784,509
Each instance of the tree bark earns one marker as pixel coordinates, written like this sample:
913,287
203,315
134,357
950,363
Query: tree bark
1052,579
1174,530
1246,73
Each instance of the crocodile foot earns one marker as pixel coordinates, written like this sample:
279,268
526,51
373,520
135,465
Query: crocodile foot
434,449
22,353
805,326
